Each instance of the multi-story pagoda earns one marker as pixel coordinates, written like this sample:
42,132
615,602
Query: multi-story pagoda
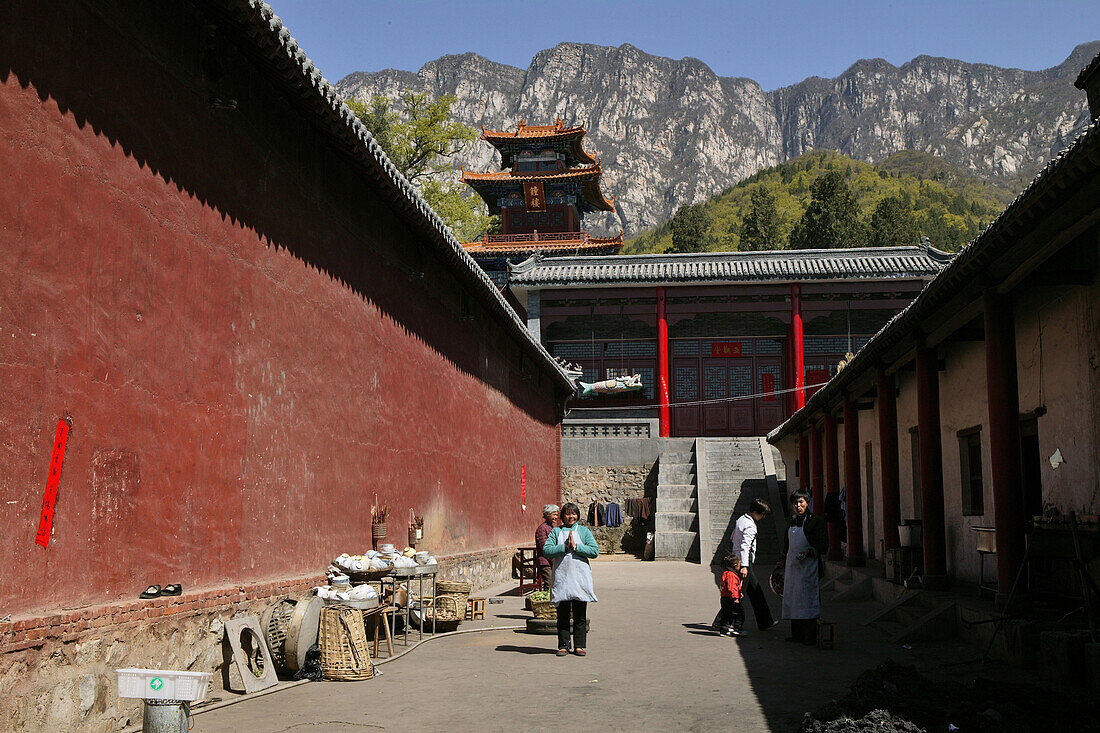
547,182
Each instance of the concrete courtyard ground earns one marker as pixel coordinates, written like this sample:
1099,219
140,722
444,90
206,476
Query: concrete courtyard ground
653,665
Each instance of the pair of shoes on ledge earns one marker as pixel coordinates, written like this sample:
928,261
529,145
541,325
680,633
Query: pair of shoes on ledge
155,591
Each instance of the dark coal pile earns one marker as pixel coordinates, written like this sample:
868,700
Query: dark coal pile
892,698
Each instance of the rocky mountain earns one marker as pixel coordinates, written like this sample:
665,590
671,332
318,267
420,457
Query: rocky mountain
674,132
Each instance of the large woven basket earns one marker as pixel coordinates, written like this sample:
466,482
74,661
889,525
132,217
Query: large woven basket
457,589
343,641
444,611
544,609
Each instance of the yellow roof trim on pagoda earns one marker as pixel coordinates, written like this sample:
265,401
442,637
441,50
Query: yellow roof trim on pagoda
526,132
523,130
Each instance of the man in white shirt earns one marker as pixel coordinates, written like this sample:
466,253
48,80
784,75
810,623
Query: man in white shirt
743,540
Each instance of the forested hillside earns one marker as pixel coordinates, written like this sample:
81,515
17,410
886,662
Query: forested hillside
824,199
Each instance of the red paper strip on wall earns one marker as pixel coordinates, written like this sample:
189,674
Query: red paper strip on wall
523,485
45,524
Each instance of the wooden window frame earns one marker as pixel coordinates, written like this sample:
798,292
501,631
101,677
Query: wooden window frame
972,495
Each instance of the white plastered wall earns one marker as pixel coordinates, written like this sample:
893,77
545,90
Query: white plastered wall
1058,362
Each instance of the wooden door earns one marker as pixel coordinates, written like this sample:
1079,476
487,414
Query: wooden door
686,419
716,392
742,417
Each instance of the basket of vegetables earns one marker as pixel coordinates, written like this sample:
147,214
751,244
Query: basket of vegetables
541,606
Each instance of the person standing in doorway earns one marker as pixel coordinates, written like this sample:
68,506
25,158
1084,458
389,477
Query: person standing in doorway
570,546
806,543
743,542
550,516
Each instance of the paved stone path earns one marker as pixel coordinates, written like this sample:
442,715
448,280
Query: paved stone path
653,665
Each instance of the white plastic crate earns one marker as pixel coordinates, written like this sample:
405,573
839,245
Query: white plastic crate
162,684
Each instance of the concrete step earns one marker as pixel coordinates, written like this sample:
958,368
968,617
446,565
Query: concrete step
676,491
675,545
676,522
890,628
670,504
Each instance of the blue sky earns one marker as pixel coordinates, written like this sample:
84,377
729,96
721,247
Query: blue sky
775,43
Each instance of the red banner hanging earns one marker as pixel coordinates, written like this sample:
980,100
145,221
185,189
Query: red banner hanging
45,524
534,197
523,485
725,348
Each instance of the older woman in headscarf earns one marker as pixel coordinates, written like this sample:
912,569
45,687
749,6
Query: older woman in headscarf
805,546
549,521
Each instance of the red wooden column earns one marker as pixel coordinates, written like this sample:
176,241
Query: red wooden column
817,471
662,365
799,365
931,469
888,461
856,555
803,462
1009,513
832,482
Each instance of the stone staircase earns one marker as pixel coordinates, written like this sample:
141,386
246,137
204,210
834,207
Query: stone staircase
918,616
676,520
735,474
906,616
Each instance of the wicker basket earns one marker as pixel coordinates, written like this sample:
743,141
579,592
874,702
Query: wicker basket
444,611
367,576
274,622
457,589
544,609
343,641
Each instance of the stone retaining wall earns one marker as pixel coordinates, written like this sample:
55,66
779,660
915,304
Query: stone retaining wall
583,485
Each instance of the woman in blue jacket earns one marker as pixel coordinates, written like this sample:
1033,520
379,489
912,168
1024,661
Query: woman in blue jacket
569,547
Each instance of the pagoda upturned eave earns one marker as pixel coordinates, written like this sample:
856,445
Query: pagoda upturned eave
527,135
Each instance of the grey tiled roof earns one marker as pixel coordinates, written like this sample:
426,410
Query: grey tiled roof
786,265
279,51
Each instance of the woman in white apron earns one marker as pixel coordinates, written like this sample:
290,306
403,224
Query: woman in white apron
805,545
569,547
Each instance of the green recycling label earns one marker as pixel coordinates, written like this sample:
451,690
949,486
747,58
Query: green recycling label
156,683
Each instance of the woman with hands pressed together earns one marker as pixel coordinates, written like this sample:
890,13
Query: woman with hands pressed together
569,547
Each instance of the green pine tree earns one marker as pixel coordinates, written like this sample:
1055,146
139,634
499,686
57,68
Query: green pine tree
892,223
691,229
831,221
761,229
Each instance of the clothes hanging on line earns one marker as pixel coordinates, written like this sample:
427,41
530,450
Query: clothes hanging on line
596,515
614,515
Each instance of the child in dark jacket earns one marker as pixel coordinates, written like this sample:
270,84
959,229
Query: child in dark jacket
731,619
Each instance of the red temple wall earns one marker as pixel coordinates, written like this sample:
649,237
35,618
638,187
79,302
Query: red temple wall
223,304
